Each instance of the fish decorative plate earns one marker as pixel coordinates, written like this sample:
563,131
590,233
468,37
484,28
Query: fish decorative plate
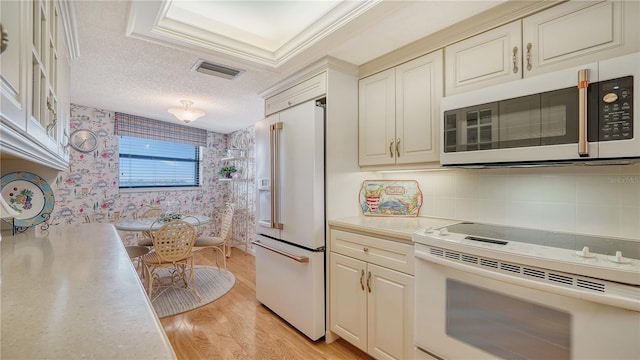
29,195
390,198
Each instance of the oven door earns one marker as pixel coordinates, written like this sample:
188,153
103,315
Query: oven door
548,118
464,315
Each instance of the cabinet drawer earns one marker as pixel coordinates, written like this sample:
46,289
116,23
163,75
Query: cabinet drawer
307,90
390,254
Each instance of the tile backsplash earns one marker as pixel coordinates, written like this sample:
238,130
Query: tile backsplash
603,200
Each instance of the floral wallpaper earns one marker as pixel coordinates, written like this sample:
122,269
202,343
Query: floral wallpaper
88,191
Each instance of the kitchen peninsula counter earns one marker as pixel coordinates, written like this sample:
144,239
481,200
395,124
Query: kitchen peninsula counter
72,292
391,228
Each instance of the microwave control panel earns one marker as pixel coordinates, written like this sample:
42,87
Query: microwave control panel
616,109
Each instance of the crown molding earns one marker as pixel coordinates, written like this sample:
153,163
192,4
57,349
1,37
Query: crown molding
68,16
500,15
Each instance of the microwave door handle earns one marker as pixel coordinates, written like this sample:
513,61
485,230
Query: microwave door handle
583,84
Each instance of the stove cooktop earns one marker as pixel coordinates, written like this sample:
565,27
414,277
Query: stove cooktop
601,257
596,244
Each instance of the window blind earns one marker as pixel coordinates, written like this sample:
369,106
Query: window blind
141,127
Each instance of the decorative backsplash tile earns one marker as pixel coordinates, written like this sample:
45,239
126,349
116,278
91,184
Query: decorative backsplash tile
390,198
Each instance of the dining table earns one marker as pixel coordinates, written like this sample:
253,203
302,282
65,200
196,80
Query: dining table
153,224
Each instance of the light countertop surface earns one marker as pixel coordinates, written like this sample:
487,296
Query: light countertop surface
72,292
392,228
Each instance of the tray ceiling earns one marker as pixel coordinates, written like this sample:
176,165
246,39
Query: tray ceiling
136,56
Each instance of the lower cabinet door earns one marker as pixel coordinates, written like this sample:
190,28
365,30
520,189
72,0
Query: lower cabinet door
390,313
372,307
349,300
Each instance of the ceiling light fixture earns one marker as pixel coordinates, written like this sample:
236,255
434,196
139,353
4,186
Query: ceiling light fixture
186,114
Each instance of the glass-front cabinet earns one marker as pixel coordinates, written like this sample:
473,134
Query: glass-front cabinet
35,86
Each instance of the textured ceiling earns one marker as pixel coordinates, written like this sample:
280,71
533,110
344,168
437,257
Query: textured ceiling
146,77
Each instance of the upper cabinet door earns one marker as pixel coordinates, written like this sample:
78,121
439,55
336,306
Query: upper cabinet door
13,64
34,83
418,94
376,105
579,32
310,89
487,59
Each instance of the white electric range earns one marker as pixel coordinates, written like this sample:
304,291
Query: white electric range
491,291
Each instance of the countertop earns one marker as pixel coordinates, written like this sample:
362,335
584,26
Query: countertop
392,228
72,292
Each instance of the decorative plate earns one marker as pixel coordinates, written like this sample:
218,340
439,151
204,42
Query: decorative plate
29,195
390,198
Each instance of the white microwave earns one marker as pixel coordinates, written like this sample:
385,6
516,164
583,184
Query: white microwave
586,114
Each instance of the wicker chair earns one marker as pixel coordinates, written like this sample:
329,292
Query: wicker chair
172,245
152,212
219,243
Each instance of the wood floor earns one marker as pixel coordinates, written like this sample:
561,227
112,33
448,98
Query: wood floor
237,326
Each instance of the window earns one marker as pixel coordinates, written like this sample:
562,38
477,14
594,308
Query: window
154,163
158,154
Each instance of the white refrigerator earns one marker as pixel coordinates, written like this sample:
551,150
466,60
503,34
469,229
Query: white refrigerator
290,217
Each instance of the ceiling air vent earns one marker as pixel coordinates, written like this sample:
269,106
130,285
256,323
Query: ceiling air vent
218,70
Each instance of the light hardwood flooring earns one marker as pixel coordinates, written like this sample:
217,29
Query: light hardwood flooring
237,326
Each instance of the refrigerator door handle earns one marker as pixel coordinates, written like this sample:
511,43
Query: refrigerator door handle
274,143
300,259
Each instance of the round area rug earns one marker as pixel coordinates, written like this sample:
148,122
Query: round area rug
211,284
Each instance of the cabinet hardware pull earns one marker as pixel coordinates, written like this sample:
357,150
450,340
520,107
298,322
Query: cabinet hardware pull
362,279
515,59
54,121
365,249
67,143
391,148
369,281
529,56
398,147
4,39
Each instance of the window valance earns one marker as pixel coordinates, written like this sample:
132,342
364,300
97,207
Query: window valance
138,126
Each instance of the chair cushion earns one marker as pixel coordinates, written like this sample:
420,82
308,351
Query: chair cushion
136,251
145,241
153,258
208,241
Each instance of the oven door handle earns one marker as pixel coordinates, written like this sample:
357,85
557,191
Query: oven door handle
629,301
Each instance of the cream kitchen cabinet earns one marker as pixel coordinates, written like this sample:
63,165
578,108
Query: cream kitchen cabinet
13,64
578,32
35,83
307,90
371,301
399,111
566,35
490,58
